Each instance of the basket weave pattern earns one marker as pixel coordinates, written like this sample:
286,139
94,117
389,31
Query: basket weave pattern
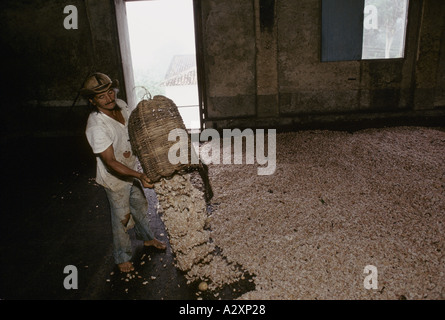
148,127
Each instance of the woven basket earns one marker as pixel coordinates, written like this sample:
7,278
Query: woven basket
149,126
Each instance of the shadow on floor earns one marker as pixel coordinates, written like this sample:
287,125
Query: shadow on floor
55,215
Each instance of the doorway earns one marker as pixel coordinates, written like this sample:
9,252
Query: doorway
163,53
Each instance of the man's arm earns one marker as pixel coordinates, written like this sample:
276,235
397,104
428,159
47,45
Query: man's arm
115,166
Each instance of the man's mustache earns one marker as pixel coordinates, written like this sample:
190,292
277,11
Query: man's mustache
111,102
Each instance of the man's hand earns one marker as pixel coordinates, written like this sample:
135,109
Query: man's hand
115,166
146,182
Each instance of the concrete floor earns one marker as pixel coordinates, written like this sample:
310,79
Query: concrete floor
54,215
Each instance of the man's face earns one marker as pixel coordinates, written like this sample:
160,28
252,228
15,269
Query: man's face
105,100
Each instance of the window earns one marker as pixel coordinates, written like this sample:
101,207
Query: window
366,29
384,28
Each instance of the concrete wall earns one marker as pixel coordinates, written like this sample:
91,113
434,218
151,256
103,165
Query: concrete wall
45,65
229,46
273,77
261,66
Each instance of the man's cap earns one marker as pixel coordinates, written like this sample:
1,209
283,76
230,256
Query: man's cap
97,83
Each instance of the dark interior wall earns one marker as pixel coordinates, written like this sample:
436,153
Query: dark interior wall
46,64
34,41
281,81
229,47
261,65
430,67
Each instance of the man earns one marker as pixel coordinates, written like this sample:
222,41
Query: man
107,134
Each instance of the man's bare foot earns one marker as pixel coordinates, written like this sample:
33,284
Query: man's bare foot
126,266
155,243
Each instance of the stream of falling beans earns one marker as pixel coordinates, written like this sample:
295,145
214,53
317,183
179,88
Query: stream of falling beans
184,214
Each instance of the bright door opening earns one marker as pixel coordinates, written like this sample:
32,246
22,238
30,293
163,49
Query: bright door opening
162,44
